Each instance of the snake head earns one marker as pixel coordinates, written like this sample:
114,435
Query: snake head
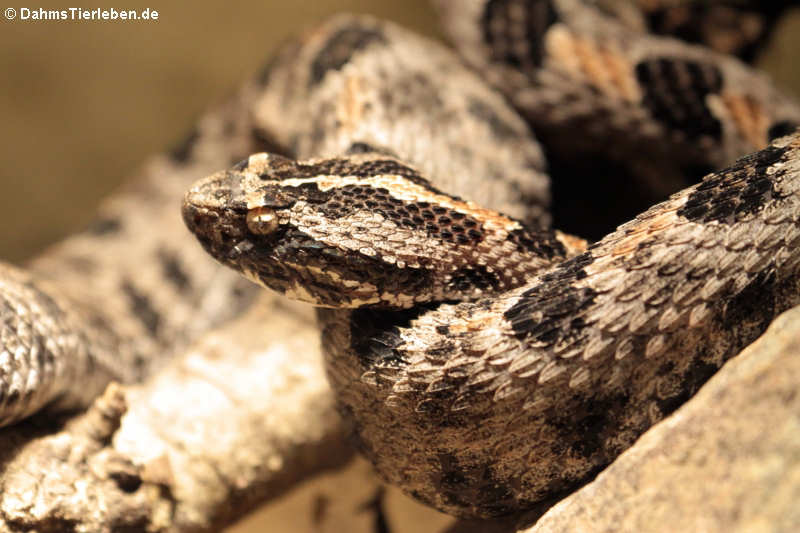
364,230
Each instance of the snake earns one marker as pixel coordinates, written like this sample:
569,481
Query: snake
484,362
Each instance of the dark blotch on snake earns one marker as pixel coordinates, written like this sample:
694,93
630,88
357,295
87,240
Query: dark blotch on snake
499,128
173,270
366,148
375,336
557,303
43,299
183,151
690,382
142,308
745,316
105,226
340,48
675,92
475,276
517,40
739,191
453,476
696,23
586,424
287,53
757,299
542,243
782,128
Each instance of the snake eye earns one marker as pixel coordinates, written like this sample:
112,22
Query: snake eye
262,220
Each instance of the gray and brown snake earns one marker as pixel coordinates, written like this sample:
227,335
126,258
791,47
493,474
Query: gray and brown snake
399,182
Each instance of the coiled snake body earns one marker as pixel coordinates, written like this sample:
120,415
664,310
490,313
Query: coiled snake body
562,355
